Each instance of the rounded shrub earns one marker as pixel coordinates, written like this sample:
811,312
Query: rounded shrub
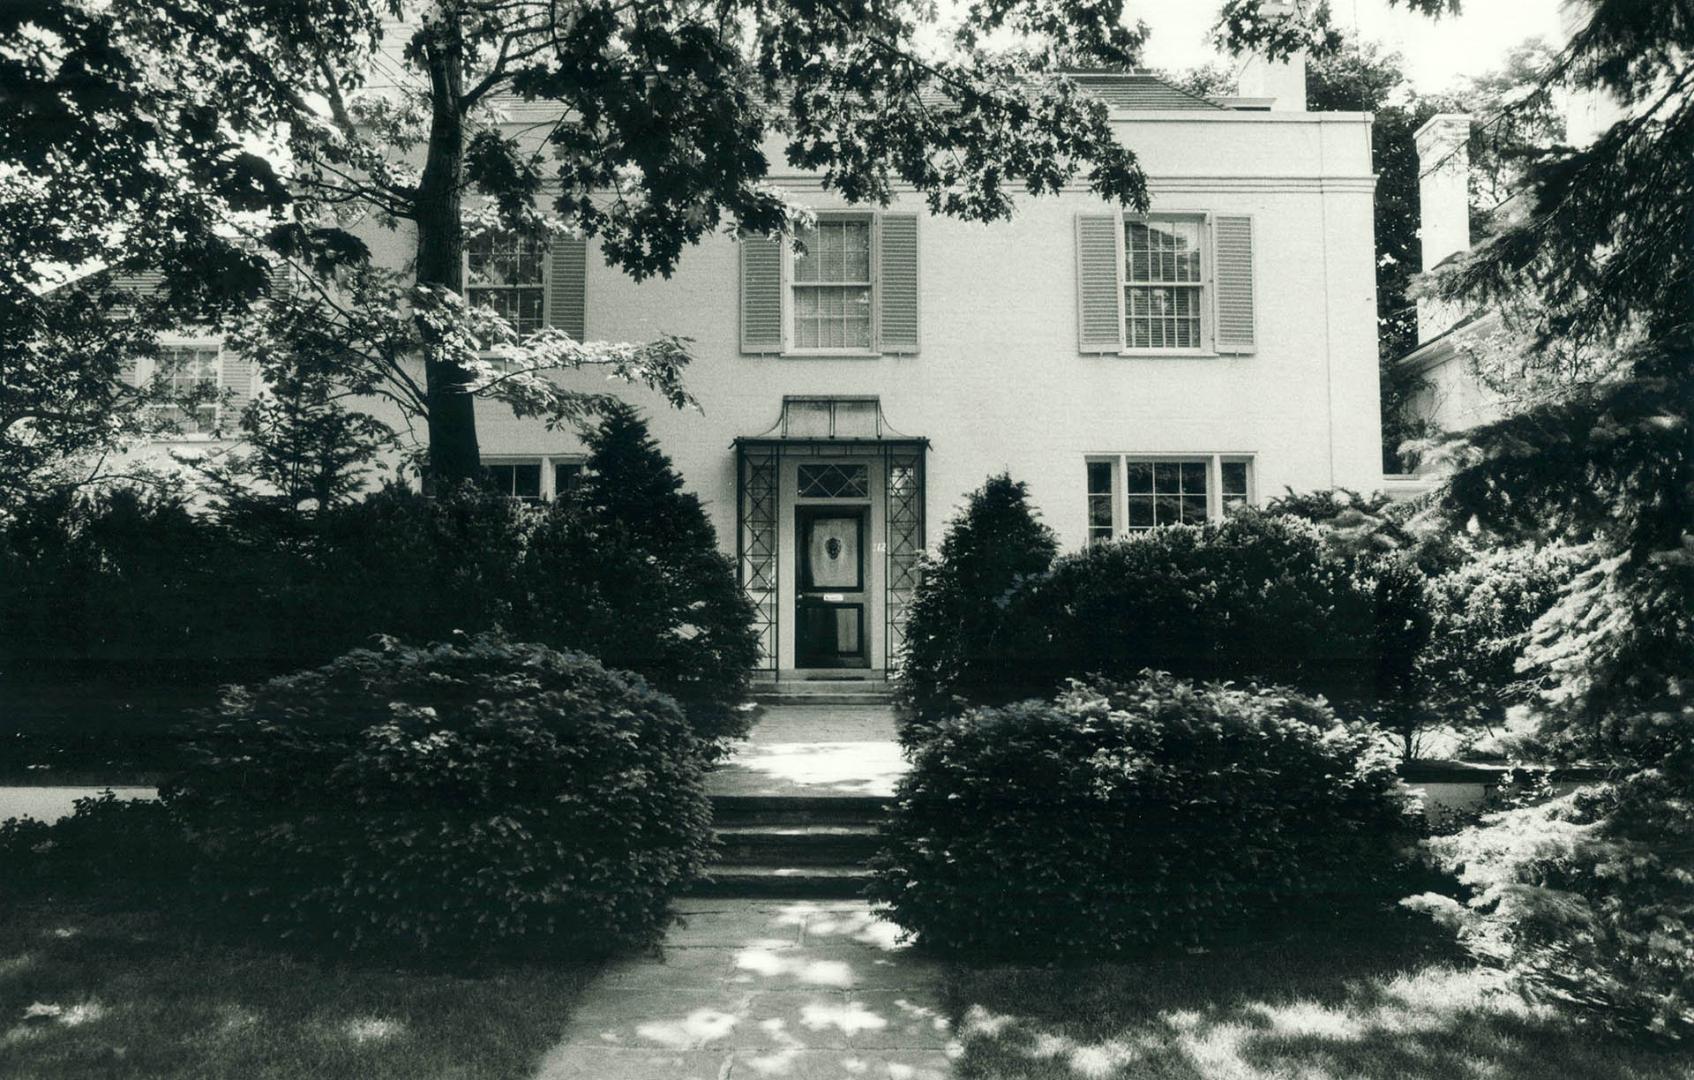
1124,816
480,794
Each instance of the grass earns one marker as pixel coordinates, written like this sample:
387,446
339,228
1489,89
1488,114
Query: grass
1393,1006
92,995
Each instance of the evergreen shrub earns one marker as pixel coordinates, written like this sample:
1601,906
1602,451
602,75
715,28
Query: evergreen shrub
1586,900
1125,816
475,795
965,641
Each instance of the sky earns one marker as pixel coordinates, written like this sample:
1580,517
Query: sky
1437,52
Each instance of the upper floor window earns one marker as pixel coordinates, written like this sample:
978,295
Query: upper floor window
1130,493
188,371
1164,286
508,273
832,286
1169,284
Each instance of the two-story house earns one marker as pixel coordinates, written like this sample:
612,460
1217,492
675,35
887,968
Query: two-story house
1135,370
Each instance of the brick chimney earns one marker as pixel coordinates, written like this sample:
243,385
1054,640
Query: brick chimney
1443,206
1281,83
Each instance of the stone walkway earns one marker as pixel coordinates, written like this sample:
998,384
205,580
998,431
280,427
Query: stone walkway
763,990
815,750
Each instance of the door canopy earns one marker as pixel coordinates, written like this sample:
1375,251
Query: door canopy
831,420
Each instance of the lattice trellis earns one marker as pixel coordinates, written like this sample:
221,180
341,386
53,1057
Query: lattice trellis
903,492
756,542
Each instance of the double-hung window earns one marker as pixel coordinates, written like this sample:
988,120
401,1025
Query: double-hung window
508,273
1133,493
832,287
1164,283
191,371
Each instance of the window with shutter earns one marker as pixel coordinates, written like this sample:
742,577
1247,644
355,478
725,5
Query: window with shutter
1165,283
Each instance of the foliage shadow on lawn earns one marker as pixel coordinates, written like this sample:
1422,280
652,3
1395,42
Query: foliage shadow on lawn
91,993
1391,1001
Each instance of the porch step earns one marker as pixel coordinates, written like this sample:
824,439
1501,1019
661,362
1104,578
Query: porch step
823,692
785,882
799,847
730,811
797,844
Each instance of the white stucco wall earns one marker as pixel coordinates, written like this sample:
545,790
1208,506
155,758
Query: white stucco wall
999,382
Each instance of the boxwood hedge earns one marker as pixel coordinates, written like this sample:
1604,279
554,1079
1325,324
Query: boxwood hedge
1122,816
479,794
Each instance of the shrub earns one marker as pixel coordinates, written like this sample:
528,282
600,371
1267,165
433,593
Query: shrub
962,640
111,851
1586,900
630,570
1122,816
474,795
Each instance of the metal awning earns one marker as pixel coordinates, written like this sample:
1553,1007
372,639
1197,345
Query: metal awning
850,420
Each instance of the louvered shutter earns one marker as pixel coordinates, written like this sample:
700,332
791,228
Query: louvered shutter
236,381
761,294
1232,258
1099,293
899,284
567,285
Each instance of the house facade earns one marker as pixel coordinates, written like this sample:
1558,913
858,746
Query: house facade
1134,370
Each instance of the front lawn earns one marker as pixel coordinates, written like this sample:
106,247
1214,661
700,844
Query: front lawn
101,995
1394,1007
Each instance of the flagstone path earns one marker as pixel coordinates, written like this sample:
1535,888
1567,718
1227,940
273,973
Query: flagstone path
763,990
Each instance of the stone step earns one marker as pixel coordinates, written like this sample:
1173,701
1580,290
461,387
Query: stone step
869,701
798,810
797,845
784,882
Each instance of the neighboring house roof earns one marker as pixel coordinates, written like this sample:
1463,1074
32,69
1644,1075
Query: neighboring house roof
1440,347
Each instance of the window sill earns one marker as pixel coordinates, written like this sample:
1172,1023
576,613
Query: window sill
831,354
1167,354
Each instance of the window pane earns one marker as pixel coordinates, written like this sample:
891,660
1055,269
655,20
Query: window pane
1193,509
1099,478
1234,479
526,481
1100,511
1141,512
1140,477
1193,477
1167,509
1167,477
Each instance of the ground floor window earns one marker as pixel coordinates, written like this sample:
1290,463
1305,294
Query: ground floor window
534,479
1130,493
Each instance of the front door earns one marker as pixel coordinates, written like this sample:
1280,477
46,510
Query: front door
832,591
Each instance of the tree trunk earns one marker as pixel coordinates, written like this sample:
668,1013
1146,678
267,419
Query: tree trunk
454,456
